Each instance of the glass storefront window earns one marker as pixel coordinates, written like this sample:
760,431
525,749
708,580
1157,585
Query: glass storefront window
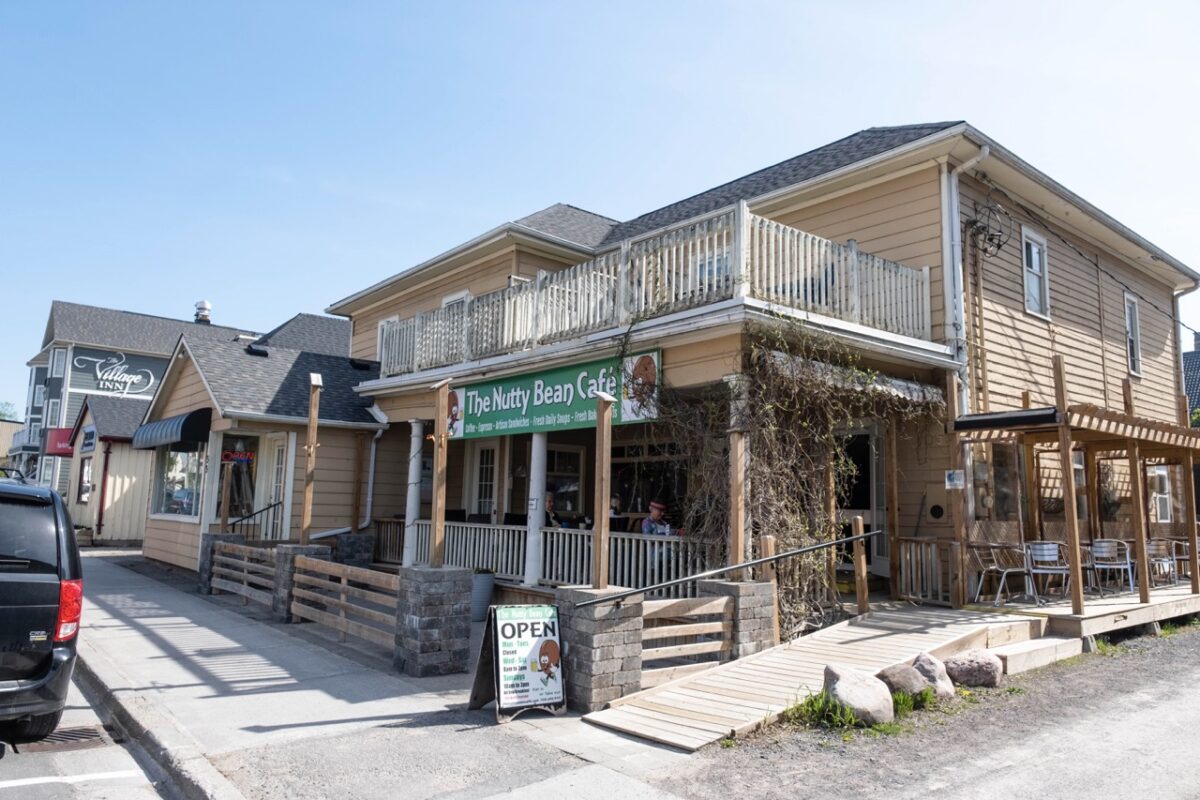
177,478
242,451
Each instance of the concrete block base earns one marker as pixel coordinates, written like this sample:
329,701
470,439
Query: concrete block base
433,621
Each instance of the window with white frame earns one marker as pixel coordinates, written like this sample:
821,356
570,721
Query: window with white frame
52,410
177,478
58,363
39,395
85,479
1160,491
1133,334
1037,276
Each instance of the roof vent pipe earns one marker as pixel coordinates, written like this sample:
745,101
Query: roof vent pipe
204,313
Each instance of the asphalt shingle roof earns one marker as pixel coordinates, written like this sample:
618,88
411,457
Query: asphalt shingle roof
125,330
115,416
835,155
1191,378
278,383
311,333
570,223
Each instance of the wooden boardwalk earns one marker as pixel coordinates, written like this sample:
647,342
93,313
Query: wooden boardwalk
1112,612
741,695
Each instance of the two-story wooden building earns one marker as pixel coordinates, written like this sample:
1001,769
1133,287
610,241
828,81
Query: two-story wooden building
950,270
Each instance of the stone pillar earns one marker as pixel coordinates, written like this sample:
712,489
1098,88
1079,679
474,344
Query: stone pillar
753,613
354,549
285,571
412,502
207,540
433,621
602,647
537,509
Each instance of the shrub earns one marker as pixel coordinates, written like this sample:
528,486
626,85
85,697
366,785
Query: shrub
820,711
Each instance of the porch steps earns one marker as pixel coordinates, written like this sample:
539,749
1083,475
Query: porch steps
1022,656
1020,630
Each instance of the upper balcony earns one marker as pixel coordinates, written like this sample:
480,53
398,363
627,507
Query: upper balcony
26,440
730,253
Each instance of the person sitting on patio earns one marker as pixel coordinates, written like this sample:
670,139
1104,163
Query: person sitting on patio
655,524
552,519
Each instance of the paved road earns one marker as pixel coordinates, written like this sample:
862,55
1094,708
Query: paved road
97,773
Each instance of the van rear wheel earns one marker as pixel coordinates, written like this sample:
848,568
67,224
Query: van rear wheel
33,729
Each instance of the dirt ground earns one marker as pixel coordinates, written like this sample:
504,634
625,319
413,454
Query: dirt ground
985,739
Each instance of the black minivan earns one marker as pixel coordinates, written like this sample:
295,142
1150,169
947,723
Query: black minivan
41,598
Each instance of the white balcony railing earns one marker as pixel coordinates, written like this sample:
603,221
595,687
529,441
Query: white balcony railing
27,437
727,253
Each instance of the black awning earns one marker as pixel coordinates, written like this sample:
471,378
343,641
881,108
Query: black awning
186,429
1003,420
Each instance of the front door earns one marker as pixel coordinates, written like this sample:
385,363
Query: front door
483,481
864,496
278,486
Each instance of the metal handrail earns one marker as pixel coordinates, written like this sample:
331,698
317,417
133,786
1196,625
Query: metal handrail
812,548
254,514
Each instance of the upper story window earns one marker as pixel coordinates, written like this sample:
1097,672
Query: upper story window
457,301
1037,277
52,412
58,363
39,395
1133,335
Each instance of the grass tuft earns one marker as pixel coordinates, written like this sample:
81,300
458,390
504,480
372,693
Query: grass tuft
1106,647
820,711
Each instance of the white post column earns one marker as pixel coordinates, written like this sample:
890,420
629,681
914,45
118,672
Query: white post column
412,505
537,509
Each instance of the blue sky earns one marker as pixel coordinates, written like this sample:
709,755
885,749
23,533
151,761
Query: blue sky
274,157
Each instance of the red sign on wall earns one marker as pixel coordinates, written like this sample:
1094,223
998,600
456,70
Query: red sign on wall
237,457
58,442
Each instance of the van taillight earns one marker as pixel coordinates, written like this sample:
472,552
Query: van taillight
70,608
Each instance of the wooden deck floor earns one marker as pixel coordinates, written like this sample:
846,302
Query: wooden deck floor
1112,612
741,695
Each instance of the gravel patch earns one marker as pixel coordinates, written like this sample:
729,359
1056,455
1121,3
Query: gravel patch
958,734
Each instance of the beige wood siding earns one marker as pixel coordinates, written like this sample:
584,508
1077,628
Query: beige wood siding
1086,324
701,363
173,542
391,472
186,393
899,220
333,484
128,495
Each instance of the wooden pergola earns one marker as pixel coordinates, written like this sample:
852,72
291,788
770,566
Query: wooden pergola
1100,432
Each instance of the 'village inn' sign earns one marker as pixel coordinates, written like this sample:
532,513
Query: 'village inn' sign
122,374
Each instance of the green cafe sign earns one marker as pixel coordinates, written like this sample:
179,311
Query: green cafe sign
556,399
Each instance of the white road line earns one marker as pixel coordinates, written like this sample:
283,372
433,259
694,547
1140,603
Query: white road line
95,776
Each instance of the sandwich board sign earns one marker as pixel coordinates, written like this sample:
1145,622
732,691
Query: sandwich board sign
520,662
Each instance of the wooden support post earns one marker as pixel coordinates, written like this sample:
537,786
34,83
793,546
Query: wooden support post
360,441
310,454
1070,509
1091,477
831,508
1137,499
441,411
861,592
957,500
771,576
1127,396
892,490
1189,518
737,500
226,482
603,484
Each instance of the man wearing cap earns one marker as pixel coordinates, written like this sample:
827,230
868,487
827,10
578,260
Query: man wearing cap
655,524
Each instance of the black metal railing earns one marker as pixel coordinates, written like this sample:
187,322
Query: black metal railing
712,573
267,523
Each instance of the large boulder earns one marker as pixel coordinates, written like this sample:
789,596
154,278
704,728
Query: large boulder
935,672
903,678
975,668
861,692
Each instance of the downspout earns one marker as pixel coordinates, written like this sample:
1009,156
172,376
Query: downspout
103,490
378,414
954,224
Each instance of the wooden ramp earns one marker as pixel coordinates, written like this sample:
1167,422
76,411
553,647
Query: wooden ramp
741,695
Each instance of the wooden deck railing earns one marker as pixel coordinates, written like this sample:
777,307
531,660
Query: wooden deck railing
248,572
927,569
701,262
698,629
349,600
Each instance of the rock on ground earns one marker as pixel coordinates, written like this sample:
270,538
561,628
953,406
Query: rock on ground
935,672
862,693
975,668
903,678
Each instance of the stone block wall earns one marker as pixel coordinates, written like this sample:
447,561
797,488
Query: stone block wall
433,621
602,647
753,613
285,571
354,549
207,540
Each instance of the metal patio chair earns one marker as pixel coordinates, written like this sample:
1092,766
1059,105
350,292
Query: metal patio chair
1049,559
1001,561
1160,560
1112,555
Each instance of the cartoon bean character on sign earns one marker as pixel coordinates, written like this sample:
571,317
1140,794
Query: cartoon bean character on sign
453,419
547,662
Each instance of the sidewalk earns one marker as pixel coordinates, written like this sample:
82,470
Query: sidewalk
234,707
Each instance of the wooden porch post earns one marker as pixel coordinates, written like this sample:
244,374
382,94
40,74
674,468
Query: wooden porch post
603,484
1091,472
892,490
861,592
226,480
1033,520
310,454
1189,499
1137,499
441,411
738,463
957,502
1067,465
771,576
